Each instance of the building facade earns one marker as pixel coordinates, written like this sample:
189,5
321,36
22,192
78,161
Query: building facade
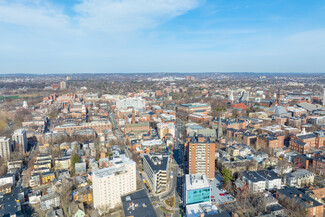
136,103
111,183
19,138
5,148
194,107
301,201
197,189
259,181
155,168
201,156
165,128
301,143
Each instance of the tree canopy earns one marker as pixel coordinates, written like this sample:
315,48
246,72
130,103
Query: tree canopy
227,176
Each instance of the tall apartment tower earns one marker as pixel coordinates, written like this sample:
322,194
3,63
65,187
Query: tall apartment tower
111,183
323,96
5,148
63,85
19,138
231,97
201,156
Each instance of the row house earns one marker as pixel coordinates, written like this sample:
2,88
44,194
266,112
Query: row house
97,126
301,201
199,117
137,127
301,143
270,141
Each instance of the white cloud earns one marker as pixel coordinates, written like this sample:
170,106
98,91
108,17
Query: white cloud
32,14
125,15
99,15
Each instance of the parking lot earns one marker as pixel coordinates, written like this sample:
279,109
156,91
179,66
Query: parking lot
219,196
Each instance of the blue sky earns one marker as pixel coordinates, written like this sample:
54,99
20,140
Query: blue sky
77,36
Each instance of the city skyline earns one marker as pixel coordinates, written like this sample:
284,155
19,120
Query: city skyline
92,36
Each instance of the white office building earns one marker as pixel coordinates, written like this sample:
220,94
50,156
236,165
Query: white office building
155,168
7,179
19,138
137,103
5,148
111,183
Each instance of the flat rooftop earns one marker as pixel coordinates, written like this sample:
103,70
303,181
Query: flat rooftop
137,204
119,167
195,210
152,142
157,162
193,105
196,181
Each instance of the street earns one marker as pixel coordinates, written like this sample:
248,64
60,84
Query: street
175,187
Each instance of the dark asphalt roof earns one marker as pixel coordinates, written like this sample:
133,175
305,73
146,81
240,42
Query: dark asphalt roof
222,214
144,207
194,139
157,167
302,156
260,175
298,142
252,176
268,174
9,205
299,197
306,136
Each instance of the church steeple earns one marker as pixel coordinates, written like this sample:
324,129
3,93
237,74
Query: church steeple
133,116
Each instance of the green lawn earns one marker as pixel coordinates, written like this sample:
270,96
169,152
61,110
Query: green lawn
8,97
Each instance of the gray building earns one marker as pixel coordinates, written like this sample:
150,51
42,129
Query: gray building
155,167
5,148
19,138
261,180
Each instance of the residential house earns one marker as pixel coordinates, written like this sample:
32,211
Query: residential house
302,201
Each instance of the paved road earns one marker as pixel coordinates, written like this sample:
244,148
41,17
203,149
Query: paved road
178,168
176,183
180,181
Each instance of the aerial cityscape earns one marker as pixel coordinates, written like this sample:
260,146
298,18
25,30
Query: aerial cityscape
162,108
164,144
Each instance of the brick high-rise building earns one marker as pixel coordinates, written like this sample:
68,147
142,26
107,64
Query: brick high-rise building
201,156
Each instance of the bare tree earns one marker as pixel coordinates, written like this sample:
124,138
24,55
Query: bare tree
282,166
67,187
3,167
292,209
20,117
